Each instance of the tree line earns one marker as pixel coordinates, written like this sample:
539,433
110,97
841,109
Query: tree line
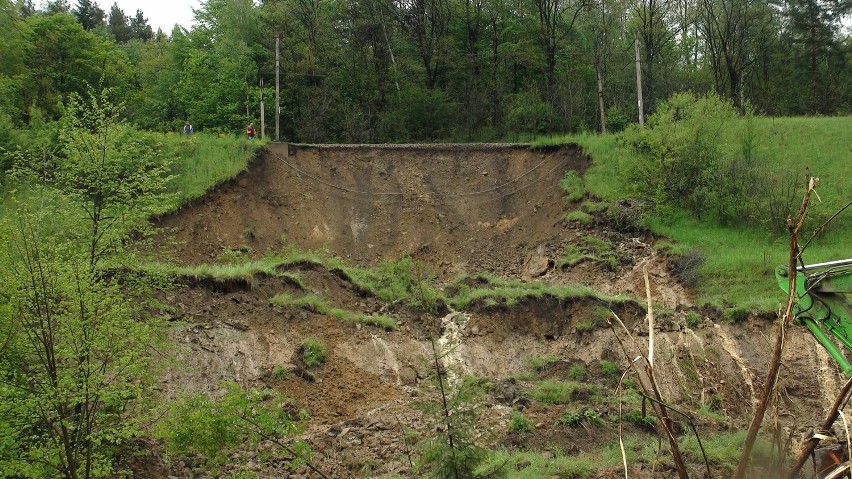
403,70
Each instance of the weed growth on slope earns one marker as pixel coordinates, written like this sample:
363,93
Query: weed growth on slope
318,305
312,352
490,290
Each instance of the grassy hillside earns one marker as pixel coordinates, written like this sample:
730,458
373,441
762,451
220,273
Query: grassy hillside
741,260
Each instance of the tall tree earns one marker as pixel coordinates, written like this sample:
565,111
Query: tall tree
57,6
814,27
426,23
140,27
556,20
654,27
89,14
118,25
732,29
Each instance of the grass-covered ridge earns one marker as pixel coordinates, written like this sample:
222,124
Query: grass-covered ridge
316,304
740,260
403,281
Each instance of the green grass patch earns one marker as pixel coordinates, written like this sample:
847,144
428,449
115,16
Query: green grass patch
590,248
724,449
312,352
594,207
609,368
559,392
202,161
491,290
578,216
534,465
519,424
573,186
541,362
635,416
316,304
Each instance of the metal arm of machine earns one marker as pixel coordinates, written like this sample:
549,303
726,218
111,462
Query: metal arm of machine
822,304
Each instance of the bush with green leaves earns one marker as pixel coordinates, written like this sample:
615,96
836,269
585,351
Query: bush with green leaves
578,417
689,159
74,357
212,428
312,352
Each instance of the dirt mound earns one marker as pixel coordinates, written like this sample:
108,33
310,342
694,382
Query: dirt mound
461,209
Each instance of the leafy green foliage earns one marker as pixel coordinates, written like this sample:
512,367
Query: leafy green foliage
197,425
578,417
74,362
451,451
114,177
312,352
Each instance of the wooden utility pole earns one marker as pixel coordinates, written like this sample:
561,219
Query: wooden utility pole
639,80
262,112
277,86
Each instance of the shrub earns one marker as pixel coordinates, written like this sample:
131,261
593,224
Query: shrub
577,417
636,417
687,267
213,428
312,352
519,424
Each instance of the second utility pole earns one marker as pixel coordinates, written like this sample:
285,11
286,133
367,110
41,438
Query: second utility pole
277,86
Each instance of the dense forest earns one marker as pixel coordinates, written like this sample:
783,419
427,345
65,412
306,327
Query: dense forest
380,70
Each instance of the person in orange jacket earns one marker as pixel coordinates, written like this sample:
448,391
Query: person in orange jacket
250,131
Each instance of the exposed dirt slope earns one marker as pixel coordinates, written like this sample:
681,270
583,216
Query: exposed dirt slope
460,209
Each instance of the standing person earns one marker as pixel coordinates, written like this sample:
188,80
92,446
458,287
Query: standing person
187,128
250,131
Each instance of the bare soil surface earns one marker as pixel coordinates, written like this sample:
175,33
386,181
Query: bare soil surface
459,209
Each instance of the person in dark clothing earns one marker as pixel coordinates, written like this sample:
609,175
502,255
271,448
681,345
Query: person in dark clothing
250,131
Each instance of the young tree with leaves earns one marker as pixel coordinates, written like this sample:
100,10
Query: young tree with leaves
105,166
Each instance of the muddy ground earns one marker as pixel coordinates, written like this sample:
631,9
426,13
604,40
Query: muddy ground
459,209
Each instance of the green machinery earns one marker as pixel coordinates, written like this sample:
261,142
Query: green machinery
823,306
